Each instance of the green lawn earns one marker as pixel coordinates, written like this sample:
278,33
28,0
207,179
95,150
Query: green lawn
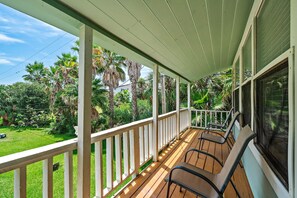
17,141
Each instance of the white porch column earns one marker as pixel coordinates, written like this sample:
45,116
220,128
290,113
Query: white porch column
84,111
177,108
155,113
189,104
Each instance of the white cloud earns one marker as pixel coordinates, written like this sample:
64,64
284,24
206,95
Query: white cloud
2,19
4,38
5,62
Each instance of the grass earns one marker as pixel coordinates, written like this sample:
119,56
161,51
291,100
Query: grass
25,139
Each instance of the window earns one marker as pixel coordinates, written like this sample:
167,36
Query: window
237,77
246,104
272,119
247,58
273,31
236,100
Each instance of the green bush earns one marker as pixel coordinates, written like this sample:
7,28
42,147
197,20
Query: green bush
144,109
123,114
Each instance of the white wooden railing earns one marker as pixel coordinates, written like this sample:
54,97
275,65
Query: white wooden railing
132,145
200,118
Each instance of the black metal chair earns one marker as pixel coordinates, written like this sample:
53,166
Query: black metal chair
204,183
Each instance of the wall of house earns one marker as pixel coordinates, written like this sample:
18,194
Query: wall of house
259,183
262,60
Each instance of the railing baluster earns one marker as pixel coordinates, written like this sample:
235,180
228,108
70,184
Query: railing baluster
132,154
20,182
164,132
68,174
109,163
196,118
205,121
98,169
118,153
146,142
141,145
151,139
126,152
136,150
165,140
48,178
221,117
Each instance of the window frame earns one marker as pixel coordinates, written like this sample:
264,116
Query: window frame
260,148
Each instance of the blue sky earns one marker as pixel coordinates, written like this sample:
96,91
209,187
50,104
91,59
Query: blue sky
24,39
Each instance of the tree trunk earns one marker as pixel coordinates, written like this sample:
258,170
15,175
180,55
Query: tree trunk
111,107
5,121
163,94
134,100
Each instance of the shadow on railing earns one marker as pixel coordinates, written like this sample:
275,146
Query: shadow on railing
119,153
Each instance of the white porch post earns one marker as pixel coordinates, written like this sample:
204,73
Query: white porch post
189,104
84,111
177,108
155,113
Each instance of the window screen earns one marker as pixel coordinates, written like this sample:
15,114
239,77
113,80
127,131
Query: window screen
237,77
247,58
273,31
273,119
246,104
236,100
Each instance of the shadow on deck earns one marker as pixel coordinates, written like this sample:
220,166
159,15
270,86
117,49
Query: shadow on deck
150,183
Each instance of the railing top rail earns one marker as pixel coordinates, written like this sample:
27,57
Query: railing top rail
223,111
95,137
166,115
17,160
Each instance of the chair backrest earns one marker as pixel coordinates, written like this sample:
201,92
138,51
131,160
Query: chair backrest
229,129
244,137
228,117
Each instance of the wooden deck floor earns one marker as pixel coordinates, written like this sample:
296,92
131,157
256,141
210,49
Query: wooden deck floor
151,182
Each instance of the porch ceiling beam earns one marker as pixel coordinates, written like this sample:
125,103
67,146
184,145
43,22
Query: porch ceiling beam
73,13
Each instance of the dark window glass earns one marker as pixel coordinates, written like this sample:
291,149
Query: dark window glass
273,119
237,77
247,58
236,100
246,104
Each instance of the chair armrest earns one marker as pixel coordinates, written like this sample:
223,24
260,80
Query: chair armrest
196,174
203,152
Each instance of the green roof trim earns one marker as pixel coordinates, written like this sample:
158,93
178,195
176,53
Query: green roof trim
71,12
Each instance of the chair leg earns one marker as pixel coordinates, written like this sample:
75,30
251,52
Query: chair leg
230,147
237,193
168,189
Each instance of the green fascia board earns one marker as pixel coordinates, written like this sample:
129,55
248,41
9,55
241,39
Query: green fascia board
73,13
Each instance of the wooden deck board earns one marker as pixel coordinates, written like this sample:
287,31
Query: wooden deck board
151,182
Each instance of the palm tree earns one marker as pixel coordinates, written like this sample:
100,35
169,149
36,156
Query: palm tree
134,74
36,72
111,66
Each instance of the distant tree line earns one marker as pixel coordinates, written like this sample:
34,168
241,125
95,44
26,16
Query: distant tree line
49,95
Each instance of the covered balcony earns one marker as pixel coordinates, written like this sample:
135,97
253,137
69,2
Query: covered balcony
186,40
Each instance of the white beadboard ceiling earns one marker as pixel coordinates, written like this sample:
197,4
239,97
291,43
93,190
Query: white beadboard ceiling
193,38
